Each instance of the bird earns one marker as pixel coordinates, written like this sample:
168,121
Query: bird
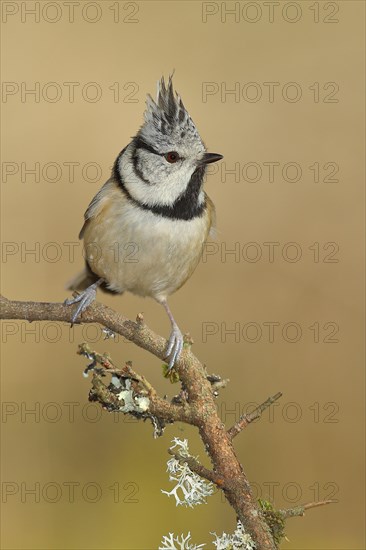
145,230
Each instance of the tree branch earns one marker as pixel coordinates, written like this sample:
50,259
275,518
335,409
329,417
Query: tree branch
246,419
137,331
130,393
300,510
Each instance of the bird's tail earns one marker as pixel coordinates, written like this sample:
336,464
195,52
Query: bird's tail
82,280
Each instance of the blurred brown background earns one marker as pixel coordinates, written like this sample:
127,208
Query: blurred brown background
97,479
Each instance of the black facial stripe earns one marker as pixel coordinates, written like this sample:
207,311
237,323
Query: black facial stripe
115,170
136,169
141,144
116,173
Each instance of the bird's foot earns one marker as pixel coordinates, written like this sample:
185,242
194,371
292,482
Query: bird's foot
84,299
175,346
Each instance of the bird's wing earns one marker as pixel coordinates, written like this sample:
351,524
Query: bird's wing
97,204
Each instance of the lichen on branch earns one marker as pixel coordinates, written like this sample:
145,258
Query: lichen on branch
126,391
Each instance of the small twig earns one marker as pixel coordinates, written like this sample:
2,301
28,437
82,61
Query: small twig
217,383
246,419
139,377
96,358
300,510
101,393
106,363
198,468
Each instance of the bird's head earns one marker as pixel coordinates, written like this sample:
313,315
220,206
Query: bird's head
167,155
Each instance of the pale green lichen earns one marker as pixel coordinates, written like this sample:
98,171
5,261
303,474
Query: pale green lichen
172,542
190,489
131,402
239,540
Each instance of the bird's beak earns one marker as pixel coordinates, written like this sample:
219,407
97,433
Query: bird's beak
208,158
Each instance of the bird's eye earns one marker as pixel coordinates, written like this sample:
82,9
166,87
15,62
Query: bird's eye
171,157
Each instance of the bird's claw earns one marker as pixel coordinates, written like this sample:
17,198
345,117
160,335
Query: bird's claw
175,346
84,299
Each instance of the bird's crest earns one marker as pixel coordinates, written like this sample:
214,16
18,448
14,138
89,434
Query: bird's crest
167,118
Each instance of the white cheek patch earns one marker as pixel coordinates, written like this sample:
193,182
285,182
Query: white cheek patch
166,185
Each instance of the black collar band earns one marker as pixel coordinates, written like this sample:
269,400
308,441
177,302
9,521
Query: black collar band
186,207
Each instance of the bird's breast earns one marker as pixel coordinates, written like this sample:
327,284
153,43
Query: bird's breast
136,250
